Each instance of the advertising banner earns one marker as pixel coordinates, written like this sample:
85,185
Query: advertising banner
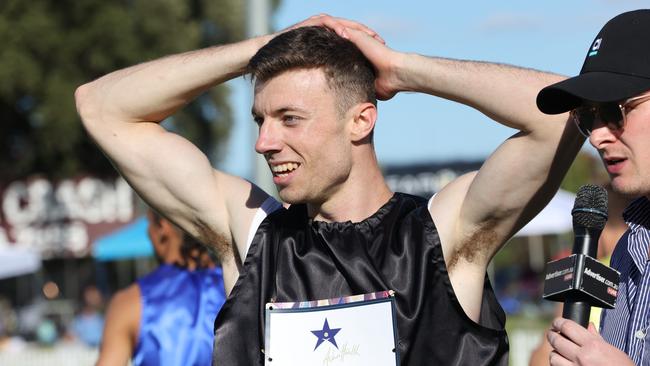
61,218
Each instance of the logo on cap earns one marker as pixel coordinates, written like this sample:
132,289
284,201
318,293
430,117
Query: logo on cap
595,47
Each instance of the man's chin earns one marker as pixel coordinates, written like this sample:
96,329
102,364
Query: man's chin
291,198
292,201
629,189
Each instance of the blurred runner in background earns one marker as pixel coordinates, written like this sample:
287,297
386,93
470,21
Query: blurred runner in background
166,317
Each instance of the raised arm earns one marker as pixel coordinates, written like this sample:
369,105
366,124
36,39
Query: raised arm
122,111
520,177
476,214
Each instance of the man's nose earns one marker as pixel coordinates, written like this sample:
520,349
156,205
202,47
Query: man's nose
601,134
268,140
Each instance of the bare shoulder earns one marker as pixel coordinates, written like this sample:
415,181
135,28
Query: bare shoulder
445,211
243,200
121,327
124,312
464,260
126,296
125,306
228,234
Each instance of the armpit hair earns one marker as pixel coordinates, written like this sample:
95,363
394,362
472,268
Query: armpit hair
479,244
218,243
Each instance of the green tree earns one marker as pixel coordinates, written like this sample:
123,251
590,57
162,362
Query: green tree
585,169
52,46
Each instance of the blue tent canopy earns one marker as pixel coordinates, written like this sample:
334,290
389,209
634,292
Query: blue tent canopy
131,241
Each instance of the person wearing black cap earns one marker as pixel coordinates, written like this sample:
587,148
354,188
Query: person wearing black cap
344,232
610,103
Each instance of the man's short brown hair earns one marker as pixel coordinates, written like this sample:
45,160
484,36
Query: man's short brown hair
347,70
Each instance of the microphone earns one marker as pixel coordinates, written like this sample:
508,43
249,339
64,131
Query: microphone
580,281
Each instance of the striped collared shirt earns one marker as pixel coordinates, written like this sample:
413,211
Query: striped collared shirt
627,325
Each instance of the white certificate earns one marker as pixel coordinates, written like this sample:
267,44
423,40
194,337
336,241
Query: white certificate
354,330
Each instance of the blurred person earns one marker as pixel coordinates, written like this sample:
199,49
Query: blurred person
344,232
610,103
9,341
166,317
88,324
47,331
614,228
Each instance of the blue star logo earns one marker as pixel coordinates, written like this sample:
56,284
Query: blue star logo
326,334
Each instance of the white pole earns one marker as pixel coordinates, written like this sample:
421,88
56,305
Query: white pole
536,253
259,15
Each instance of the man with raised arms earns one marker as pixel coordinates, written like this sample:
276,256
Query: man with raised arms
344,232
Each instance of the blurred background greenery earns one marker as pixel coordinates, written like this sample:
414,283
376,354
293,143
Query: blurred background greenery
52,46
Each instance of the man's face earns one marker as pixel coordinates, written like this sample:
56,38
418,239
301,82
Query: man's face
302,135
626,151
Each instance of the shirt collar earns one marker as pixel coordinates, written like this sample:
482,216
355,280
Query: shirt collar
637,217
637,214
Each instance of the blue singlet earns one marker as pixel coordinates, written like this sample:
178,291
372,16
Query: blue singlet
178,312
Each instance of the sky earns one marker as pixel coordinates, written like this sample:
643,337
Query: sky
549,35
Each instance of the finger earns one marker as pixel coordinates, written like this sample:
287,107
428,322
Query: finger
563,346
555,359
358,35
314,20
338,25
361,27
572,331
592,328
363,40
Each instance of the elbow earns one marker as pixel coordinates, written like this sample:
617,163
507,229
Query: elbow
87,105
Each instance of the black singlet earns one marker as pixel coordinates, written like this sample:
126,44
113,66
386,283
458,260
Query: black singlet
293,258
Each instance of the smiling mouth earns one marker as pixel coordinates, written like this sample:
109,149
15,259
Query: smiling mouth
613,161
282,170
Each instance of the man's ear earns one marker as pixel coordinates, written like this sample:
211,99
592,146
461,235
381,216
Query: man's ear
363,121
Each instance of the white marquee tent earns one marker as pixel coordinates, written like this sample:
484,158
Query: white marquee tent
15,261
554,219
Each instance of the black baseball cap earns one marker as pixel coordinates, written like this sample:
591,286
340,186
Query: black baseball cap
617,67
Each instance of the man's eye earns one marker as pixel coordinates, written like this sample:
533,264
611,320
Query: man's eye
289,119
258,120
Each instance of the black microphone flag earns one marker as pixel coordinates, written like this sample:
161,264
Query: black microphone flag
580,281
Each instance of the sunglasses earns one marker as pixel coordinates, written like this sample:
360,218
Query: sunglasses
611,115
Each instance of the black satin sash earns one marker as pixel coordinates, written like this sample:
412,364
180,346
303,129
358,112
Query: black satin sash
294,258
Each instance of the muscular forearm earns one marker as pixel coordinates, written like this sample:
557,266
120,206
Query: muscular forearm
505,93
154,90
